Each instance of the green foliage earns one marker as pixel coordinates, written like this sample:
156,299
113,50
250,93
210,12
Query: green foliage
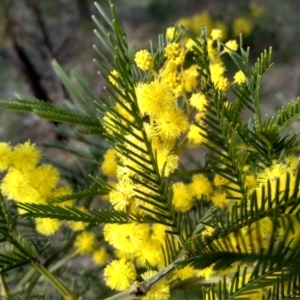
254,243
73,214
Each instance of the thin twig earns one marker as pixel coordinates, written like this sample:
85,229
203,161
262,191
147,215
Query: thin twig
138,290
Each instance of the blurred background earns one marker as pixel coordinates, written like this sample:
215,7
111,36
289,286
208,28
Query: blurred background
33,32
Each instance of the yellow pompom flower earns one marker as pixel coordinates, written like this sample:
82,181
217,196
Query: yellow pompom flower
189,78
144,60
217,70
243,25
172,50
173,79
100,256
15,185
219,199
85,242
161,291
25,156
222,84
159,232
170,32
278,171
113,76
217,76
166,162
223,27
122,195
182,198
126,237
47,226
5,156
196,135
230,46
109,165
239,77
153,96
216,34
199,186
171,123
198,101
119,274
150,253
44,179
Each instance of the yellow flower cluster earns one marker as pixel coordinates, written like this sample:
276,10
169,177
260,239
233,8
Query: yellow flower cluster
134,242
27,181
216,28
144,60
172,107
276,176
120,274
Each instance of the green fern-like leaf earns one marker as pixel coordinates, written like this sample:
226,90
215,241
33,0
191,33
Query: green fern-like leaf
74,214
285,115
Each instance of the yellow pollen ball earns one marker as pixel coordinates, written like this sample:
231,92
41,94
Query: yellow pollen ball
47,226
119,274
199,101
182,198
85,242
170,32
231,45
166,162
109,165
200,185
153,96
243,25
216,34
5,156
100,256
196,135
128,238
171,123
239,77
144,60
172,50
25,156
